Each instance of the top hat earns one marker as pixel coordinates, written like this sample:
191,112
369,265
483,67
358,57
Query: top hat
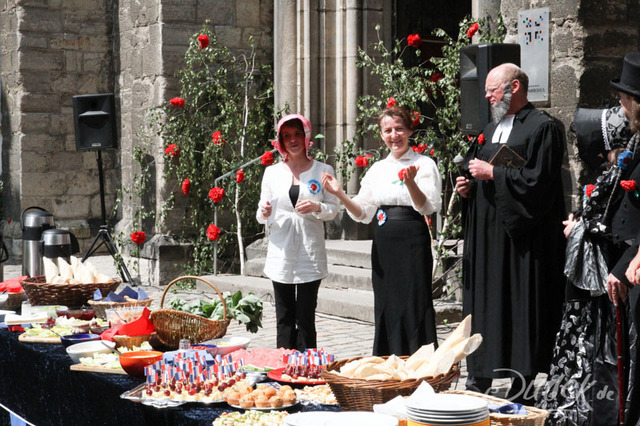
629,81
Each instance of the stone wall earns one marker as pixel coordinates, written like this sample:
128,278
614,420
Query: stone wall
52,51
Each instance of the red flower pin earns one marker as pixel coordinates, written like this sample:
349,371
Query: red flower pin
138,237
217,138
481,139
172,150
414,40
402,174
239,176
628,185
177,102
186,186
391,102
472,30
267,158
589,189
213,232
203,39
216,194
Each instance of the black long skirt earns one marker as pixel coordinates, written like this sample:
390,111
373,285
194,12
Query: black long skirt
401,262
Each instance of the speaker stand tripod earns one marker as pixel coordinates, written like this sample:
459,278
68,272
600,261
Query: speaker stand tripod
104,237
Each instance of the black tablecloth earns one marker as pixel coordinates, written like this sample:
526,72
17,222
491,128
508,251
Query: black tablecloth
37,384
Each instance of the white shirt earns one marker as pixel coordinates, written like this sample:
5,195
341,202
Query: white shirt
296,253
503,129
381,186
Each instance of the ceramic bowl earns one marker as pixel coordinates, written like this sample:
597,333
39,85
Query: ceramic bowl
135,362
225,345
72,339
87,349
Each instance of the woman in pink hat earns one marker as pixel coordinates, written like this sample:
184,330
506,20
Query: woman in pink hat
294,205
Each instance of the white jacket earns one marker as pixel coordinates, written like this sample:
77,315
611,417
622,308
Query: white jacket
296,252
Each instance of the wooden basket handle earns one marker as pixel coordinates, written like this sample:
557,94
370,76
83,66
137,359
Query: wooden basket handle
191,277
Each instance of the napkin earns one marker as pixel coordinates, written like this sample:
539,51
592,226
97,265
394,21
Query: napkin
128,291
114,297
12,285
397,408
513,408
140,327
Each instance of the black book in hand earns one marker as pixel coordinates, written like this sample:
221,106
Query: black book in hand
507,157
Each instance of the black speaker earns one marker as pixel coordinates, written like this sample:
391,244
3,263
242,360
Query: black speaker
94,117
476,61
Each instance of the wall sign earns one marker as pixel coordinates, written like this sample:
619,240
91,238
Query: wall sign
533,37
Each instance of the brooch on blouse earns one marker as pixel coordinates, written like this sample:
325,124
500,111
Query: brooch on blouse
382,217
314,186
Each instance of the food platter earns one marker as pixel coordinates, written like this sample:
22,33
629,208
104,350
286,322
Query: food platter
277,376
283,407
137,395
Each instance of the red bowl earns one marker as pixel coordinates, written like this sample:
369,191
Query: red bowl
135,362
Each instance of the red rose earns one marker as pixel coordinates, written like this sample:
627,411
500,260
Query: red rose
9,220
589,189
361,161
416,119
239,175
216,194
415,148
267,158
431,152
186,186
172,150
213,232
217,139
481,139
391,102
138,237
472,30
414,40
203,39
435,77
273,143
177,102
402,174
628,185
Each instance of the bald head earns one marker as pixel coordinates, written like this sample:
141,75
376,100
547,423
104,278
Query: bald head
506,73
506,89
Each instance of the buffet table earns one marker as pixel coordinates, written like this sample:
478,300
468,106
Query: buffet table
37,384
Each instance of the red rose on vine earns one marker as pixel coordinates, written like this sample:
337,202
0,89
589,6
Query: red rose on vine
267,158
213,232
391,102
138,237
186,186
414,40
239,176
361,161
416,119
472,30
172,150
203,39
217,138
216,194
177,102
431,152
435,77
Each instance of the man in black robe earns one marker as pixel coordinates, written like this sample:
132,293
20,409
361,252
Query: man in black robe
513,281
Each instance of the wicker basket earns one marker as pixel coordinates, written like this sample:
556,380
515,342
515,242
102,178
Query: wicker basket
360,395
130,341
71,295
172,325
101,306
534,417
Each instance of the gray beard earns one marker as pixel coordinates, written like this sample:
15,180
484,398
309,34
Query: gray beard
499,110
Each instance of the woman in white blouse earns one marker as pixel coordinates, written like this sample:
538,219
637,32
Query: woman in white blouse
294,204
399,192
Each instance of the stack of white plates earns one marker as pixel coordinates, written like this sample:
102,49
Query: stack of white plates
447,409
344,418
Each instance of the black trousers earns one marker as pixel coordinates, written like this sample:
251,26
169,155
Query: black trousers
296,314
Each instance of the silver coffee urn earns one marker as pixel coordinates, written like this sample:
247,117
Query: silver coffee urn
58,243
35,220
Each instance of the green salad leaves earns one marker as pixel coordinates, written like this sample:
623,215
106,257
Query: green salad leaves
247,310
